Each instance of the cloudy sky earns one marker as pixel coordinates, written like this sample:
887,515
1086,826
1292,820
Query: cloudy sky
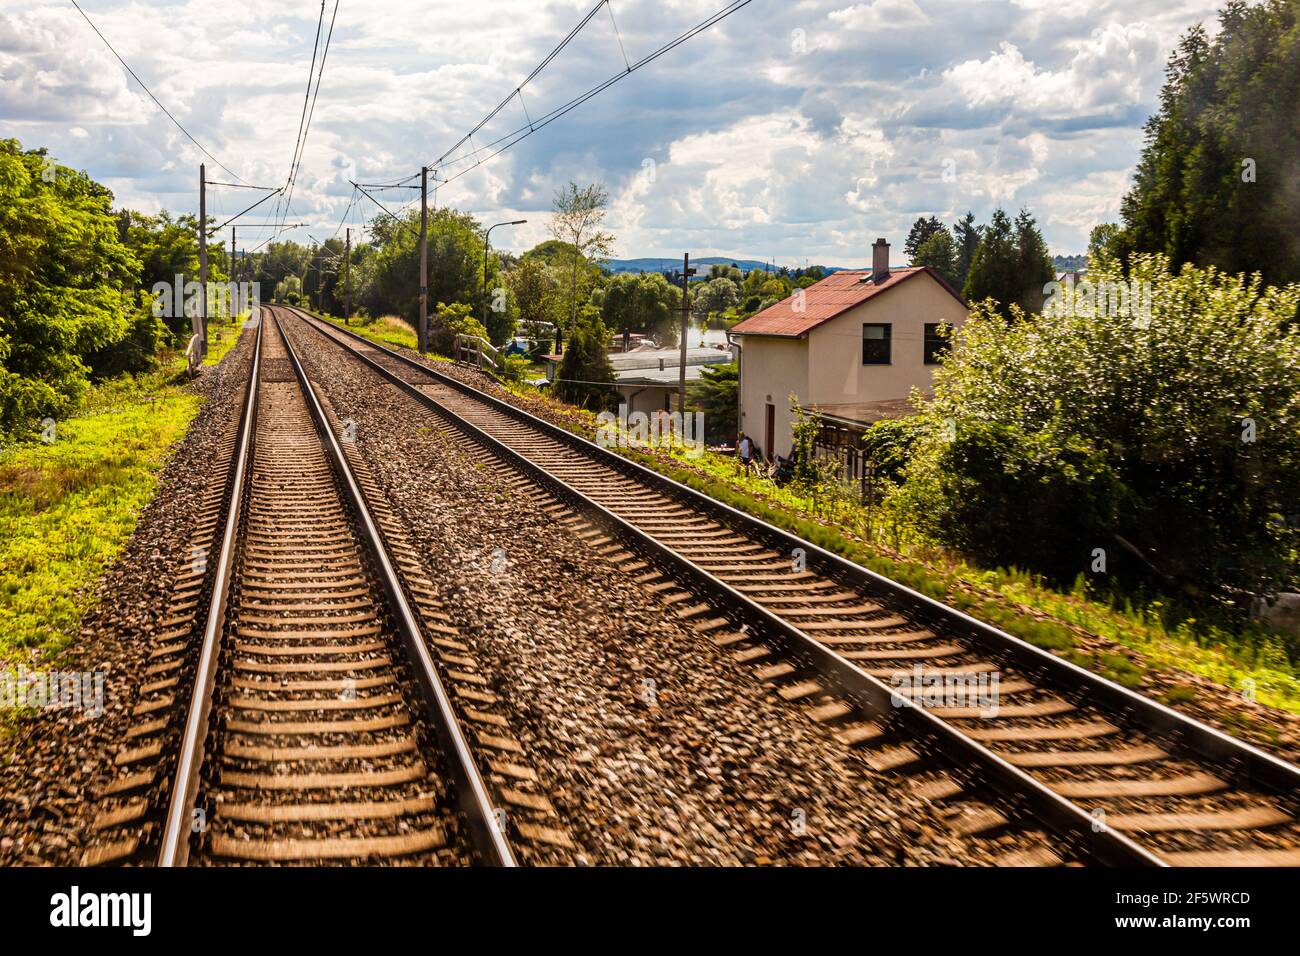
793,129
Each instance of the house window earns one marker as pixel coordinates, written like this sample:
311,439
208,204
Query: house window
875,343
936,346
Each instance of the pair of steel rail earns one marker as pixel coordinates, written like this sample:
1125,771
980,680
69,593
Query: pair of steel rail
486,835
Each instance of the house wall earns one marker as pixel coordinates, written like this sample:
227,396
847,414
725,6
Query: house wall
771,369
826,366
836,372
646,398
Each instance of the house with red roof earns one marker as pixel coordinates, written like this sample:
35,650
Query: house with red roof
853,345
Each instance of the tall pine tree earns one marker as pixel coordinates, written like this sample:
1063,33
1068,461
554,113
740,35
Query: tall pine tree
1216,184
1010,265
922,230
1035,262
966,235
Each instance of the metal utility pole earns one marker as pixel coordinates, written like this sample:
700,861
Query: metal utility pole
203,260
424,260
232,256
687,272
347,278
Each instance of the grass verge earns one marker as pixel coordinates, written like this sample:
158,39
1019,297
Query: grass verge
67,507
386,330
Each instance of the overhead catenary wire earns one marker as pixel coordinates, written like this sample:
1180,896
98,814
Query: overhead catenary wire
523,132
610,7
306,96
238,214
351,202
283,229
528,79
484,152
401,222
310,113
320,75
203,149
213,182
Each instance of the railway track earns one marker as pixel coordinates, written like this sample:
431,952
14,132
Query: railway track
316,729
964,709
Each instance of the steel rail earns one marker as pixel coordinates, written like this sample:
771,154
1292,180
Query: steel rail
1060,815
179,822
1247,765
474,800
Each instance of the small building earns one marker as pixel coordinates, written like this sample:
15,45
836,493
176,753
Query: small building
647,378
853,345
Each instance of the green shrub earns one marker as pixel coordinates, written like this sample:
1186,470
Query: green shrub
136,352
889,444
1172,431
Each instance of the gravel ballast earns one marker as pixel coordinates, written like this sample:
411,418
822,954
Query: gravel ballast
60,759
654,746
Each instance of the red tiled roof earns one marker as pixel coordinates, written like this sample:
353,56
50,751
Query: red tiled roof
823,301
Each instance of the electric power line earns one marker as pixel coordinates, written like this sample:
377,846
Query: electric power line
302,118
293,180
523,132
155,99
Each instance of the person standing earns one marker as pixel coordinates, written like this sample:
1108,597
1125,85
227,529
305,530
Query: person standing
745,449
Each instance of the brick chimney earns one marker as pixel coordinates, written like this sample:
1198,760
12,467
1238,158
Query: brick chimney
879,260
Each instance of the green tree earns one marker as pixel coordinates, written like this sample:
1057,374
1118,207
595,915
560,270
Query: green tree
1034,263
502,314
288,289
966,237
1011,264
646,303
586,367
1216,181
1173,431
455,256
279,261
754,281
576,220
717,395
939,253
714,297
322,284
65,284
1103,244
533,287
922,230
993,270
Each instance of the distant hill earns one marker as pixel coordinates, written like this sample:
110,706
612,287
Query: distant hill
669,265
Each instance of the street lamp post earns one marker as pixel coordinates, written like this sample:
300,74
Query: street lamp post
486,236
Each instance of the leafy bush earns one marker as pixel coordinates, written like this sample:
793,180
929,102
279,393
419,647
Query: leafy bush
1169,437
889,444
136,352
450,321
62,268
516,367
